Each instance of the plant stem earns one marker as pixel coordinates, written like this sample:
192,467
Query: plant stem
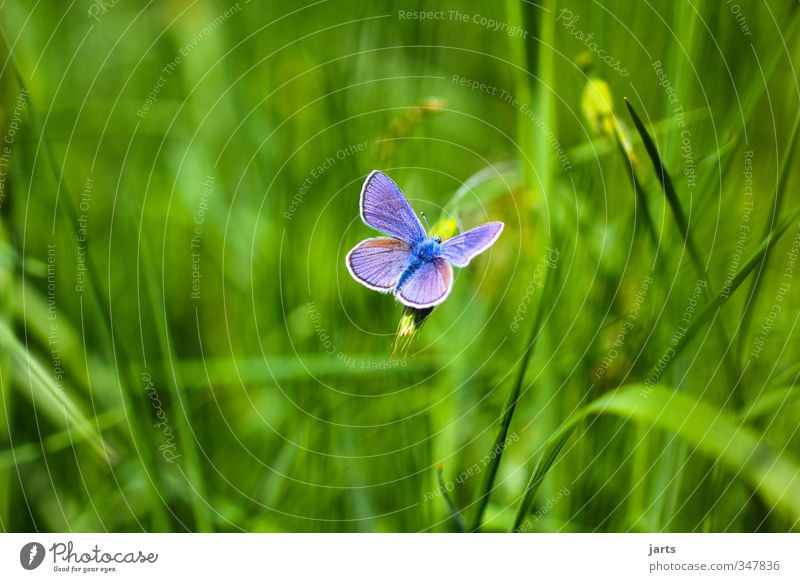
498,445
777,204
455,514
519,60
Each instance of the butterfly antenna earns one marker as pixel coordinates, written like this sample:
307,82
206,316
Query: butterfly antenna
425,220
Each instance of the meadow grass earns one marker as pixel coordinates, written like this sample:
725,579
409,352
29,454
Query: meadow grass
182,348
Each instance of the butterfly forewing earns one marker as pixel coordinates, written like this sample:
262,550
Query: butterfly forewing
379,262
384,208
428,286
461,249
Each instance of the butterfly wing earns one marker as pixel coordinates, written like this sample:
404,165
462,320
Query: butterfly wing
384,208
429,285
461,249
378,262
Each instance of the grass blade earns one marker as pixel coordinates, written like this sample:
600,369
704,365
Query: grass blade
641,197
683,225
54,402
777,204
771,401
669,189
485,185
455,513
490,473
552,448
518,57
712,308
774,475
32,451
186,434
6,422
591,152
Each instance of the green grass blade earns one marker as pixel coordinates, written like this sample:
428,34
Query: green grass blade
552,448
455,513
6,422
490,473
777,204
485,185
185,432
668,188
519,60
225,372
32,451
774,475
56,403
790,375
590,152
65,202
544,98
771,401
710,310
641,197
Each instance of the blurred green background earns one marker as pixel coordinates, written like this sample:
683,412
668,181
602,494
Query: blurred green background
182,347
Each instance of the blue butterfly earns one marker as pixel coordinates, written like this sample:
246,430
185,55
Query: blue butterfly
416,268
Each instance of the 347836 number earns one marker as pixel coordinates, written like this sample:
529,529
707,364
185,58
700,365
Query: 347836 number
758,565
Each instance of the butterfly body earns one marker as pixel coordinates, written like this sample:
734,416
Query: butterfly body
420,255
415,267
427,249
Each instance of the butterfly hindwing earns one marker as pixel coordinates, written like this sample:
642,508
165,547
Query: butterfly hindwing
384,208
429,285
461,249
378,262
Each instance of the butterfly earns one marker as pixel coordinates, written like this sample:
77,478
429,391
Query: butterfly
415,267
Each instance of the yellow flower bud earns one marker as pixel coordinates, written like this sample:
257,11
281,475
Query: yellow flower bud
445,228
597,107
